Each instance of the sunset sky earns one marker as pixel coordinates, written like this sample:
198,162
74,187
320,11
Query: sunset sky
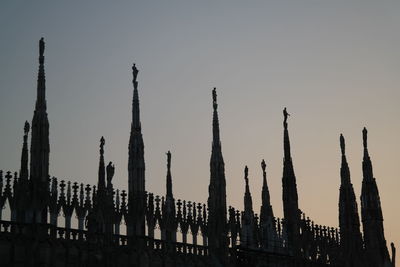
334,64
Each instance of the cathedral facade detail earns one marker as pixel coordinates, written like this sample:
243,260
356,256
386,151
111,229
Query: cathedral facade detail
211,234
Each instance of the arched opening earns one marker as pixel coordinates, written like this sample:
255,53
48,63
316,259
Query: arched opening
6,211
157,231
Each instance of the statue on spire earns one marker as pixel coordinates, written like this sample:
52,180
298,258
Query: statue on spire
102,142
246,174
214,93
263,165
168,159
110,173
135,72
342,144
27,127
365,132
285,116
41,46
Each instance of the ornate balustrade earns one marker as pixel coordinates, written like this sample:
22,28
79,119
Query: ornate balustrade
185,218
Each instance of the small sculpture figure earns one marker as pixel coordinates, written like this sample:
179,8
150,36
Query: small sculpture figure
41,46
135,72
285,115
110,173
246,174
263,165
214,93
365,132
342,144
168,159
102,142
26,128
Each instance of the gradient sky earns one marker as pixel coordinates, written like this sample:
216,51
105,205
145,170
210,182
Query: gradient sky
334,64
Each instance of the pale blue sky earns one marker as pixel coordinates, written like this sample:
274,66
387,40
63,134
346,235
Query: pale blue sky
334,64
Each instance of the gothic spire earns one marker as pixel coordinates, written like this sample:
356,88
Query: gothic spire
169,177
218,241
216,143
24,172
136,167
349,221
168,232
101,184
40,147
136,164
290,199
248,203
248,230
367,164
344,169
135,102
267,225
21,192
41,81
266,208
371,213
286,141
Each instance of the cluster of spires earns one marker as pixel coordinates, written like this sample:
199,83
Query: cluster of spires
367,249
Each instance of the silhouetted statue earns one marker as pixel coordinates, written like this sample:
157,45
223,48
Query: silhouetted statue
342,144
168,159
365,132
263,165
246,174
135,72
27,127
214,93
102,142
110,173
285,115
41,46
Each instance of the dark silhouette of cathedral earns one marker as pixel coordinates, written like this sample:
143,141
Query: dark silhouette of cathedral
212,234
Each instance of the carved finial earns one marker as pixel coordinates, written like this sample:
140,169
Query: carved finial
26,127
41,47
342,144
365,133
263,165
135,72
214,94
